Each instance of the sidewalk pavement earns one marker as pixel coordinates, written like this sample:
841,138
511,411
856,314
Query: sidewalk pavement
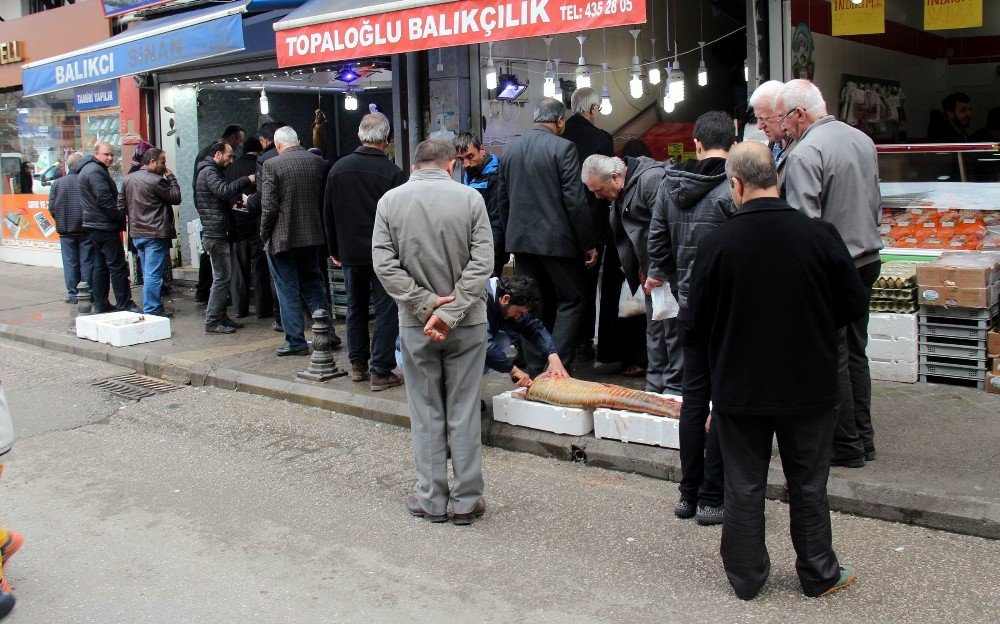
937,466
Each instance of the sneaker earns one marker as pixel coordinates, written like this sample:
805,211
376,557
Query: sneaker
849,462
11,546
359,371
684,509
6,604
228,322
847,576
708,515
464,519
870,455
384,382
219,329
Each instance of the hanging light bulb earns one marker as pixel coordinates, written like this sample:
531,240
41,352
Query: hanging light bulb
350,101
702,70
265,107
635,84
440,65
582,73
549,78
668,104
746,71
654,69
606,107
676,83
491,72
557,92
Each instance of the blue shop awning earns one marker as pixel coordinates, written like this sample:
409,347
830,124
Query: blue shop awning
147,46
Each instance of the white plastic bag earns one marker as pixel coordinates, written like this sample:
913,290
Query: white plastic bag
631,304
664,305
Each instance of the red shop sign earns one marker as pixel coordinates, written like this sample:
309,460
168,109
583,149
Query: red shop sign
450,24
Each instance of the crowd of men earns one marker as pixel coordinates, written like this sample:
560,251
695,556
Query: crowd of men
753,352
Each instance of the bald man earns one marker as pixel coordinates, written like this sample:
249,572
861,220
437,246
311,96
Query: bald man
767,324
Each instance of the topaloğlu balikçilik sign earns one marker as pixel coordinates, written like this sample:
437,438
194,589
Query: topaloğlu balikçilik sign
444,25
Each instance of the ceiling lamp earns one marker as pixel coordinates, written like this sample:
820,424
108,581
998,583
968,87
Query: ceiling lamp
606,107
557,92
653,74
635,84
265,106
668,104
676,82
702,70
549,84
491,72
350,101
582,73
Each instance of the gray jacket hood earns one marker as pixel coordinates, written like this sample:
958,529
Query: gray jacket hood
636,168
691,181
86,161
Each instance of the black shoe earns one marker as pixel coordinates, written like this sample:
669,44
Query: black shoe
482,406
201,301
870,455
228,322
133,308
335,340
69,301
242,315
585,353
219,329
685,510
276,326
848,462
165,314
708,515
285,351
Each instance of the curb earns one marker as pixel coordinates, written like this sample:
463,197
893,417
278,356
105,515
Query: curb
966,515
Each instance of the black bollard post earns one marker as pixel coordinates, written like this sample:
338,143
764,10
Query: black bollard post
322,366
84,300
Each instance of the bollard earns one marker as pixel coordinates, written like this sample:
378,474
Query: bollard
322,366
84,300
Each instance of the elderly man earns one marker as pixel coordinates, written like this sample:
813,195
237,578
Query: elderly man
582,132
763,101
354,186
214,199
548,225
74,245
773,367
291,227
832,174
693,200
631,186
481,171
104,223
149,195
442,302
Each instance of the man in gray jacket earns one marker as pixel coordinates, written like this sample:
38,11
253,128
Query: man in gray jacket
832,174
432,249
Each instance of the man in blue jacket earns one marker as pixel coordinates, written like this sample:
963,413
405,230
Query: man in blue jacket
481,170
509,302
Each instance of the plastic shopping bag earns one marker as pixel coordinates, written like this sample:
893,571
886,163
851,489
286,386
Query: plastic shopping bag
664,305
631,304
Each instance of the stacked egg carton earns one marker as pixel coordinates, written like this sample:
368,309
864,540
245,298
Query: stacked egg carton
896,288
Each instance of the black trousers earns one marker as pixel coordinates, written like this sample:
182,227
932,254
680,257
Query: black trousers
701,458
110,271
585,335
204,278
855,434
561,283
618,339
804,442
239,286
263,284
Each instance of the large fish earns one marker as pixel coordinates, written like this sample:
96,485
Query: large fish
590,395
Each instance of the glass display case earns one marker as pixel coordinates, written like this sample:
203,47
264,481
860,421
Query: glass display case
938,197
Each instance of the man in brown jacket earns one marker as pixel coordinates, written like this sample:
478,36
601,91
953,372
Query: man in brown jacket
149,195
291,227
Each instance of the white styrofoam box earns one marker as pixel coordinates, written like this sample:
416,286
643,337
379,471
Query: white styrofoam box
894,370
903,349
123,329
637,427
567,420
194,242
884,325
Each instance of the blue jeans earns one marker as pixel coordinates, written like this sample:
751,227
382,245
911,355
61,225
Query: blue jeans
297,276
362,284
153,255
78,262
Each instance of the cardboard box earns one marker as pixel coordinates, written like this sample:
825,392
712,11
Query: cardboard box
964,270
929,293
993,382
993,344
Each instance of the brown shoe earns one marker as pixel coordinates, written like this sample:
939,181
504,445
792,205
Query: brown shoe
359,371
467,518
413,506
384,382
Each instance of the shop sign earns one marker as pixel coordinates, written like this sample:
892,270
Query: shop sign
866,18
121,7
179,46
11,52
943,14
466,22
93,97
27,222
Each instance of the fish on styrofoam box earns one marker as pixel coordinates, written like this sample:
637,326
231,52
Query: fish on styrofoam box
565,420
123,329
638,427
893,370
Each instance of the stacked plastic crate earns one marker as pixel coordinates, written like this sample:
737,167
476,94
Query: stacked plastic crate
958,296
338,294
892,324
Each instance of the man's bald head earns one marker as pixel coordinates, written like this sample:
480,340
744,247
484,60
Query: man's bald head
104,153
751,172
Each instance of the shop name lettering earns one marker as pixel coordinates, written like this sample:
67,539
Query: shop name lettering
11,52
104,65
933,3
847,5
99,97
485,20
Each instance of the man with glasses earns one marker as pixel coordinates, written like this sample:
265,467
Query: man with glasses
548,225
832,174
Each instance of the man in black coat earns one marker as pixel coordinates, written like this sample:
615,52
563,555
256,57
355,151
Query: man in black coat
590,140
267,298
354,187
548,226
246,233
769,291
104,223
214,199
74,245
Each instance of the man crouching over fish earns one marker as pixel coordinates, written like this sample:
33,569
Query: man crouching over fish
432,249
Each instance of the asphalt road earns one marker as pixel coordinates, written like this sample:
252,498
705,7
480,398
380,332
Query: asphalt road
202,505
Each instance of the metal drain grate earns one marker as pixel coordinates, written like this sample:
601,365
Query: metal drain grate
135,386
